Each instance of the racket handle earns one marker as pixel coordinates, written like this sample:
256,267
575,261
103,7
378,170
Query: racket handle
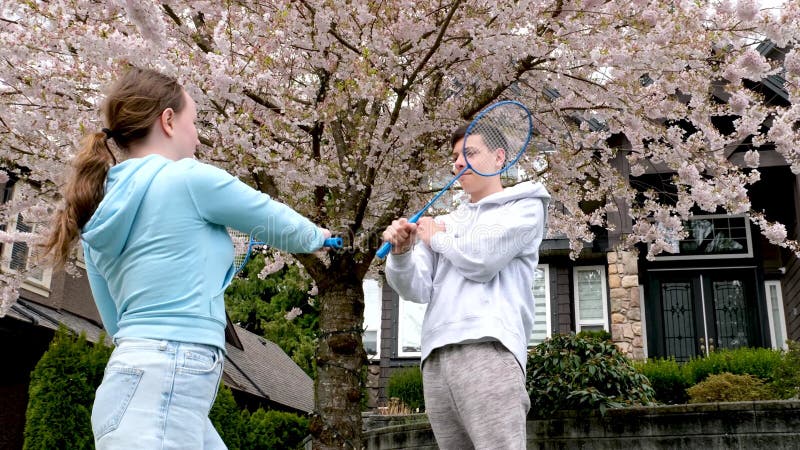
384,250
387,247
333,242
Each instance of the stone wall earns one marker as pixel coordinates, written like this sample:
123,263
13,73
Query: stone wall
773,425
626,312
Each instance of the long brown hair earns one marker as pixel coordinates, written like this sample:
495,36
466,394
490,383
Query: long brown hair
133,104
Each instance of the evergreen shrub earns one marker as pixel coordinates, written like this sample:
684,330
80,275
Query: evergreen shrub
786,378
668,378
568,372
759,362
728,387
61,393
271,429
226,417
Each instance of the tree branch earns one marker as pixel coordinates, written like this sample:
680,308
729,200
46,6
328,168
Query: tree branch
434,47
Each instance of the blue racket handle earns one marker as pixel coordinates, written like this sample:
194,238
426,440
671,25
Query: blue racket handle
333,242
387,247
384,250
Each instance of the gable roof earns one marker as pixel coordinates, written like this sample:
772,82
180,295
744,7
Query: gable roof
261,368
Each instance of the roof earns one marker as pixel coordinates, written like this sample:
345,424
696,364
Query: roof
47,317
263,369
259,368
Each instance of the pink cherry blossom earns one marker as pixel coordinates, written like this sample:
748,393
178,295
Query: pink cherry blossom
344,113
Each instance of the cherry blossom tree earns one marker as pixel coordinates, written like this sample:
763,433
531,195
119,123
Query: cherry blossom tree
343,110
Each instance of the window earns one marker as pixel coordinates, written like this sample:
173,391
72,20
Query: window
713,236
409,328
591,303
777,320
373,300
541,305
20,256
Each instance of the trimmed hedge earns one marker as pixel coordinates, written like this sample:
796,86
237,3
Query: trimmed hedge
779,371
668,378
759,362
786,378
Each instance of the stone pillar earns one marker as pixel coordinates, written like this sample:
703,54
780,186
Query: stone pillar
373,385
626,316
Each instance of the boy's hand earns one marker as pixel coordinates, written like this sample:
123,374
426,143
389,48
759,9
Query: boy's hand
402,235
427,227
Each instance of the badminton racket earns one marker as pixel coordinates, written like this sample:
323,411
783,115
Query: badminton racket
506,125
244,243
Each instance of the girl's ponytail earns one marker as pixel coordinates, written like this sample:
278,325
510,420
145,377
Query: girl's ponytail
83,193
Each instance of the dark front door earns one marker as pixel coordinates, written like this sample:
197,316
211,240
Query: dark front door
698,311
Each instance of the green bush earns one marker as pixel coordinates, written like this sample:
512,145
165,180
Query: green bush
786,378
759,362
406,384
242,430
61,393
583,373
272,429
62,390
602,335
668,378
728,387
226,417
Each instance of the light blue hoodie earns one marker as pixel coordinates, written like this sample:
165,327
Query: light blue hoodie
476,277
158,257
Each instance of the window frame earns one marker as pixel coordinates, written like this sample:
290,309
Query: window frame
781,312
748,236
604,299
401,313
548,308
377,329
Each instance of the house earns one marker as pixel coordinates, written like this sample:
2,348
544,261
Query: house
724,287
256,370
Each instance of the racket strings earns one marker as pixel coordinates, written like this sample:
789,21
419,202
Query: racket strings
507,126
242,248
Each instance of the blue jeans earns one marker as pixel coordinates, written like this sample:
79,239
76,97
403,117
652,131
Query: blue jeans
157,395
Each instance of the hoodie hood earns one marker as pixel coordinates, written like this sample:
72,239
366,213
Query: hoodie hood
528,189
108,229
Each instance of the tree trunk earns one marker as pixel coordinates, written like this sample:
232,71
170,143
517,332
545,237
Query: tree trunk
340,360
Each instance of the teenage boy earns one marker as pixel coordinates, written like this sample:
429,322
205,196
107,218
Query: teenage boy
474,268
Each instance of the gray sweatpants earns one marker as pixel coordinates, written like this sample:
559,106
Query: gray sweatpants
475,397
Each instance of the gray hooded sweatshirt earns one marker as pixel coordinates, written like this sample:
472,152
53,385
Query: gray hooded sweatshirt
476,277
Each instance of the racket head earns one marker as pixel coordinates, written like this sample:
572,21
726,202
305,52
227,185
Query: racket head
243,244
506,125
